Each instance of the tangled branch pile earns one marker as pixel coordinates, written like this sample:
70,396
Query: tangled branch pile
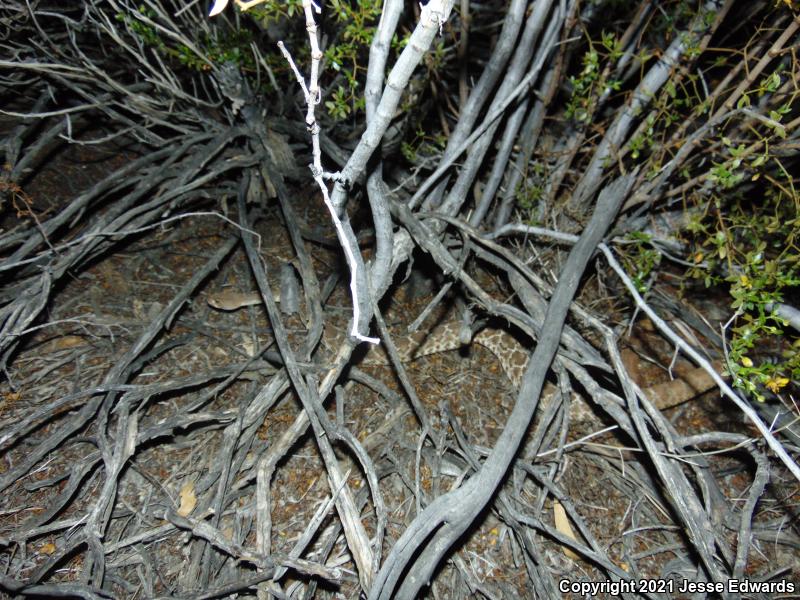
157,160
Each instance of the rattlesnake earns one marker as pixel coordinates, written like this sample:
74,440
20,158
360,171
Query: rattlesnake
510,353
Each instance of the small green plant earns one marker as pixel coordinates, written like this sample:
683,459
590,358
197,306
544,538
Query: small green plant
531,191
744,217
222,47
528,196
593,80
422,145
728,175
339,106
644,140
145,32
347,56
271,12
640,259
584,88
751,247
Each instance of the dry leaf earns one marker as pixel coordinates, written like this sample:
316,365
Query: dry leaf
138,309
563,526
249,346
62,343
69,341
188,499
12,396
48,548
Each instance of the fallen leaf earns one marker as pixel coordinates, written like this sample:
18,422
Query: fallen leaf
563,526
69,341
48,548
188,499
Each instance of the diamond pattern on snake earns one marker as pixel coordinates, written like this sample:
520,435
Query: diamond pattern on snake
510,353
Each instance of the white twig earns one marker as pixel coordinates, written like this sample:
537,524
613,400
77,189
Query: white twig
351,261
311,92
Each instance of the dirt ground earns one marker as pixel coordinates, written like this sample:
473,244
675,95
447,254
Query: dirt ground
97,316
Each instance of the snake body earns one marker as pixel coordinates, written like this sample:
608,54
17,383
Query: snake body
512,355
